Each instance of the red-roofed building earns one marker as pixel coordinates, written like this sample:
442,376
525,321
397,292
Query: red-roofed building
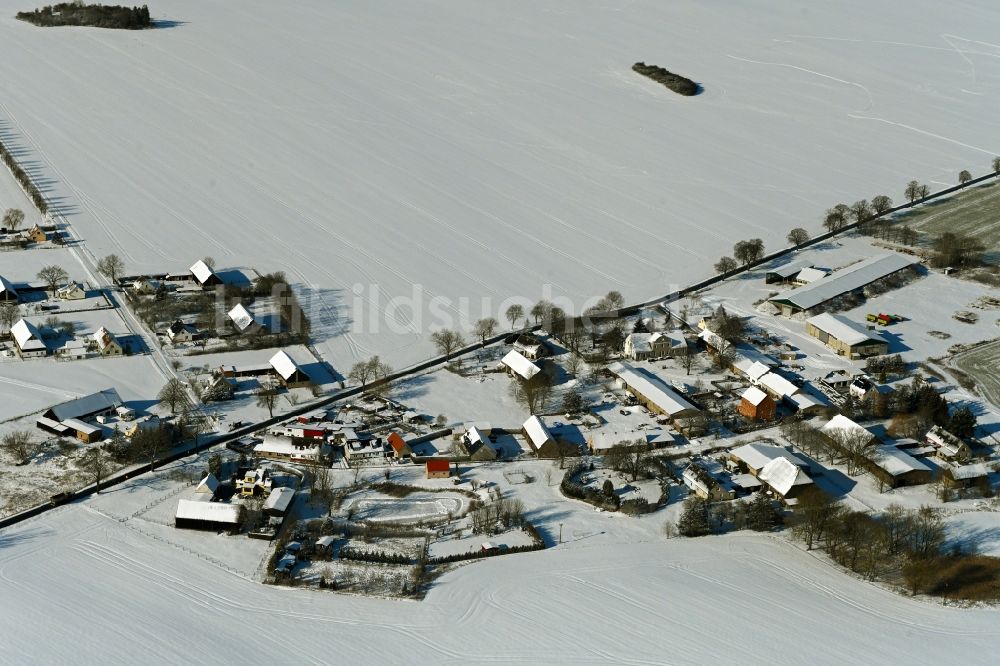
438,468
400,448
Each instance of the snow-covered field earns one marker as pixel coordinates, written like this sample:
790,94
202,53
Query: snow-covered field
120,597
460,149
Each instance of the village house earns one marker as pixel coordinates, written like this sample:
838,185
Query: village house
604,439
8,294
947,447
71,291
209,486
437,468
753,458
648,346
519,366
290,375
777,386
74,349
107,343
784,479
838,381
531,346
251,482
476,444
400,447
852,279
742,358
366,451
703,484
965,476
895,468
279,501
36,234
757,405
149,422
204,276
652,393
539,438
308,451
846,337
28,341
180,332
146,286
243,320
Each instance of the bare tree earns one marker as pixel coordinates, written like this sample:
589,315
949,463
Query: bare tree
267,398
629,458
323,488
381,386
485,328
9,313
173,394
855,446
573,363
535,393
97,463
361,372
20,446
861,210
881,203
725,265
540,310
914,191
749,251
687,358
111,266
53,276
964,177
836,218
514,312
13,218
798,236
210,262
447,341
996,165
816,513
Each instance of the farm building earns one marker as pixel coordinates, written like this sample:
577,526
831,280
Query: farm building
203,274
477,445
966,476
100,403
28,340
279,501
785,273
841,283
71,291
205,515
602,440
400,447
947,447
288,371
519,365
539,438
243,320
752,458
531,346
437,468
809,275
308,451
8,294
784,478
846,337
107,343
646,346
757,405
651,392
703,484
895,468
83,431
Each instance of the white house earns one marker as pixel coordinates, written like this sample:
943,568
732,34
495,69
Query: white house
291,375
645,346
181,332
72,291
204,275
28,340
517,364
107,343
243,320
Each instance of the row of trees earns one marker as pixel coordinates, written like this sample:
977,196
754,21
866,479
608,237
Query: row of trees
699,517
374,371
745,253
22,177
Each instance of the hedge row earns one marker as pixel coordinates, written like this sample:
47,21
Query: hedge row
679,84
22,177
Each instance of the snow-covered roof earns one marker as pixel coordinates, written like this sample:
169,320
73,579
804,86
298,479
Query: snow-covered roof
843,329
810,275
652,388
845,280
326,541
536,431
639,341
89,404
81,426
7,287
284,365
757,455
757,370
284,446
841,424
520,365
965,472
279,499
606,438
213,512
26,336
69,288
781,475
790,269
208,485
745,357
201,271
754,396
896,461
104,338
778,385
803,400
242,318
477,436
662,437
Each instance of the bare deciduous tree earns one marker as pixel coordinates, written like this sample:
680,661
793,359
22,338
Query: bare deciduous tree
726,264
13,218
53,276
629,458
20,446
9,313
447,341
173,394
267,398
97,463
112,266
485,328
797,236
964,177
881,203
513,313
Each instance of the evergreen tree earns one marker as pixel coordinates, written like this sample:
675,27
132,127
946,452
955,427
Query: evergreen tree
694,520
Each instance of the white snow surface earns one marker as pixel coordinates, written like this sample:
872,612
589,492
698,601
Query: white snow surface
479,149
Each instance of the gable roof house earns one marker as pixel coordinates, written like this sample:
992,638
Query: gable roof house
704,485
28,340
757,405
243,320
7,291
652,392
894,467
519,365
966,476
204,275
645,346
181,332
477,445
846,337
36,234
107,343
840,283
102,402
754,457
539,438
288,371
531,346
400,447
437,468
208,486
784,479
71,291
777,386
744,358
947,447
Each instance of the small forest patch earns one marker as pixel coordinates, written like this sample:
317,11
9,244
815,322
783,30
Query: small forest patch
679,84
98,16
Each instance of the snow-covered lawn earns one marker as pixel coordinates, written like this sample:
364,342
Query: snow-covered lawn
369,506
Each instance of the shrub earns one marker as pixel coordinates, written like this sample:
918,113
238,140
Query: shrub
679,84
